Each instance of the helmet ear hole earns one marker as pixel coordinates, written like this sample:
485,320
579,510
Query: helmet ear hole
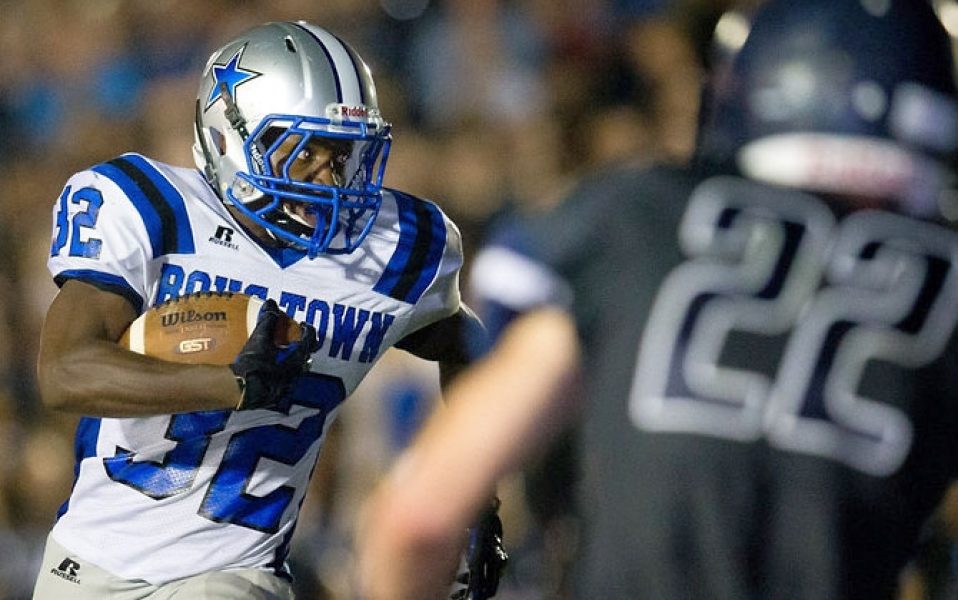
218,140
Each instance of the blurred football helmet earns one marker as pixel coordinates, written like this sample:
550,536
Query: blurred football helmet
849,97
273,93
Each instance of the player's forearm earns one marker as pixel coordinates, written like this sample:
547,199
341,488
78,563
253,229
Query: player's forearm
497,413
507,407
403,553
103,380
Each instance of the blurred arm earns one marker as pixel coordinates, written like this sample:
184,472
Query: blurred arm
82,370
498,413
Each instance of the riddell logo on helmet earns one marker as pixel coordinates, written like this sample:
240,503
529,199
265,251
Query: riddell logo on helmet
352,111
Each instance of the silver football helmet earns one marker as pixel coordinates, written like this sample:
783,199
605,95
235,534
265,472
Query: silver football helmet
273,93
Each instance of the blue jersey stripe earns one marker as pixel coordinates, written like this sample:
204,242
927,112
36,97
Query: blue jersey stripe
174,200
407,236
105,281
160,205
424,262
88,431
422,238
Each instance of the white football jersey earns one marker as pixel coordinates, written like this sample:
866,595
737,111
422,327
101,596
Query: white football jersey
165,497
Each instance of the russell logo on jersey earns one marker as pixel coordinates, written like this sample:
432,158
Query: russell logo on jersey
223,237
69,569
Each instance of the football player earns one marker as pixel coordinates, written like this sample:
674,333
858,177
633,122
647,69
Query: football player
189,477
765,346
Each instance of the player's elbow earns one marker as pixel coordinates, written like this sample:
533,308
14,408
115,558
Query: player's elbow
54,383
52,395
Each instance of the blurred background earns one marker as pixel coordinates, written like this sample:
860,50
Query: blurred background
497,106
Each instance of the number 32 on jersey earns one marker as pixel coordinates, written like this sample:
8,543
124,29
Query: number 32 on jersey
876,286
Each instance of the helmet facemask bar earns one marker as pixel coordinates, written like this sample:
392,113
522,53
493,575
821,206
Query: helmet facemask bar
344,211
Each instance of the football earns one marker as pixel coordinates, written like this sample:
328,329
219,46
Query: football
205,328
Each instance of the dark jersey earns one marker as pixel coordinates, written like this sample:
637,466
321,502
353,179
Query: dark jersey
771,402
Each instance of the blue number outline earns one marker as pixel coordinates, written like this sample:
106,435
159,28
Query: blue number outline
174,474
62,223
86,219
226,499
67,227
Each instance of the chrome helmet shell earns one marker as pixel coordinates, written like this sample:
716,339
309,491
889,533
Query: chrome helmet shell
292,81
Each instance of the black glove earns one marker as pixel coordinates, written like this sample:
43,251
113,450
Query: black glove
265,371
485,558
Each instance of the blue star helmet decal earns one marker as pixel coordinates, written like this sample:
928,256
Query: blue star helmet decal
232,74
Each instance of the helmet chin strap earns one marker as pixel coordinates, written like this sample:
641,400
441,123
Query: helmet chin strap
208,170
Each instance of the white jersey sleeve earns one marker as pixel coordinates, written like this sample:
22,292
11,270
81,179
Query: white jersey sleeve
111,221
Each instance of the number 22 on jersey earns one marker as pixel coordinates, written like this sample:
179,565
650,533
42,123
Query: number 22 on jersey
875,286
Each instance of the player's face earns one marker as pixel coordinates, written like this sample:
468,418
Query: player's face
320,161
